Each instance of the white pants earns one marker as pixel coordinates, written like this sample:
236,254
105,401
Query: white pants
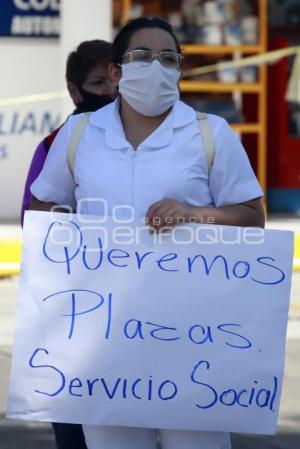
106,437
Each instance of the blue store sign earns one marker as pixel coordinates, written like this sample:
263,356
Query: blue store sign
31,18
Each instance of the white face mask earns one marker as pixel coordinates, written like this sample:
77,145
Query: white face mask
151,89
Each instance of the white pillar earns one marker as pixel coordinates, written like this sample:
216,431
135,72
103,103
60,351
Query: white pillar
82,20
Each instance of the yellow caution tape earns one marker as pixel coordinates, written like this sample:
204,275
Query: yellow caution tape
263,58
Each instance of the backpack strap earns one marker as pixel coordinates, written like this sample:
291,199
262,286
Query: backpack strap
49,139
74,141
206,138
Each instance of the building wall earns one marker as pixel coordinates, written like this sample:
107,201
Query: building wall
35,66
28,66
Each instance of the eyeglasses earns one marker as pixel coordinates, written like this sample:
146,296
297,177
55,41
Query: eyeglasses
169,59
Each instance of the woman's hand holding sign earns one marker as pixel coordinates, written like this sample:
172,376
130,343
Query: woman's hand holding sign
164,214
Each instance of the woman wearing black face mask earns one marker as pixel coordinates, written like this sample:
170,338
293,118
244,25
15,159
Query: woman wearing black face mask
91,101
90,89
87,76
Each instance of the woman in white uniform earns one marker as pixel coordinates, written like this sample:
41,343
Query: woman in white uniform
145,151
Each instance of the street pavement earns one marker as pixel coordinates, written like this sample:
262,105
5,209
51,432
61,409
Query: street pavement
33,435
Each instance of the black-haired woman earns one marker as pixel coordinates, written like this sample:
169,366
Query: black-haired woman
145,151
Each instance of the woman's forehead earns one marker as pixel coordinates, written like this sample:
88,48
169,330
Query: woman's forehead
155,39
97,70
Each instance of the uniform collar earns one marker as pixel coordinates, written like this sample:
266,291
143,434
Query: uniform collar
108,119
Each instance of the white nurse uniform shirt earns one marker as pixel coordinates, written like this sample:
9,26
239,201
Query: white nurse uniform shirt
170,163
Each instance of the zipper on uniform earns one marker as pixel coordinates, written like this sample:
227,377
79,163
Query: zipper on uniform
133,157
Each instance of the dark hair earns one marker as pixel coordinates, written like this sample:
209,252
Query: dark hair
121,42
86,56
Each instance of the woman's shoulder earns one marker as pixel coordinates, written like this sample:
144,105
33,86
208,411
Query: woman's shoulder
71,121
188,113
217,123
67,130
68,126
104,116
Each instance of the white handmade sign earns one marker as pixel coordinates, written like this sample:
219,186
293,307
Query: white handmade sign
117,327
